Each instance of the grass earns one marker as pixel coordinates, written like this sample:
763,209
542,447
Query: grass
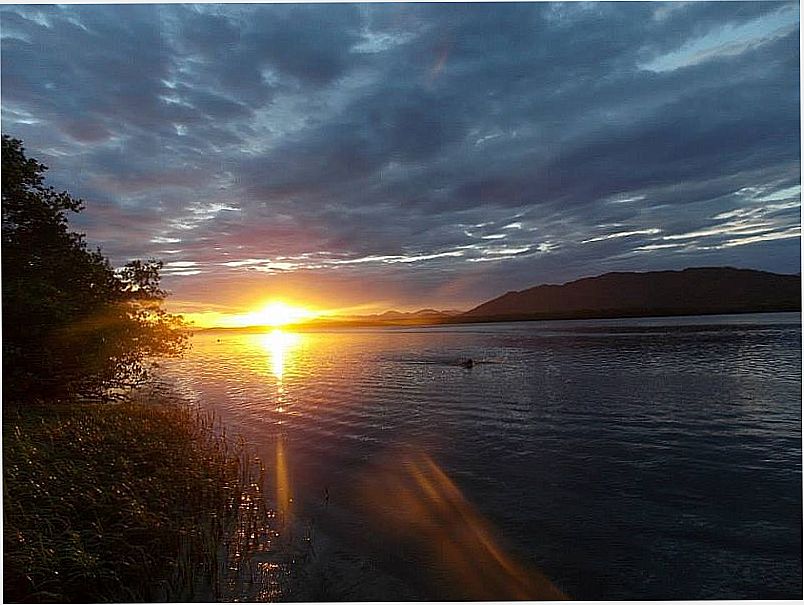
126,502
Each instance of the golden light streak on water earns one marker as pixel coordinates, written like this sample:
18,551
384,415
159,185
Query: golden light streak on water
284,495
460,544
278,345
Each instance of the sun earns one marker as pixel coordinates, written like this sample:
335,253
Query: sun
274,314
278,314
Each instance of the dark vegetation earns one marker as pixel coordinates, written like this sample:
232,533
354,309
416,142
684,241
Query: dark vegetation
120,502
72,325
107,495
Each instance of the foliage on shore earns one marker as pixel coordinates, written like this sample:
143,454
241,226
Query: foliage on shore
102,501
72,324
120,502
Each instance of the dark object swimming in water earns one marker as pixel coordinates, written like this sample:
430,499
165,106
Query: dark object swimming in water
467,363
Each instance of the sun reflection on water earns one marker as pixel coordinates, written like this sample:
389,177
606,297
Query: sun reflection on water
284,494
278,345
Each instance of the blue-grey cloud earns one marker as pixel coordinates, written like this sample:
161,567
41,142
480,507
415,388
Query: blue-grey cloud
429,153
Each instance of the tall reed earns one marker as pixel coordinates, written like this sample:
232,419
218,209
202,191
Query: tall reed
133,501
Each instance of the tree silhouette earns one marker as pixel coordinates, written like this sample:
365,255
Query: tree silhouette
72,325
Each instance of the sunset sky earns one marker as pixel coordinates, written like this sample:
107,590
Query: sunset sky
368,157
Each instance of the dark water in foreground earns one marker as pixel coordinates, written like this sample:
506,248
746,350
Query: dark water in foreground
625,459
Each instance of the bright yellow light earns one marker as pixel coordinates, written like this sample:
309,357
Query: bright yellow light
275,315
281,314
277,344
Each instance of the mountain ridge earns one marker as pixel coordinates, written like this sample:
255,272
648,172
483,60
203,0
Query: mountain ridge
692,290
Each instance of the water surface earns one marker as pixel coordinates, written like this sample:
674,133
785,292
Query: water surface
605,459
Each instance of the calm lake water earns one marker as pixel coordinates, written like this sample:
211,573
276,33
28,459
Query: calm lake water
622,459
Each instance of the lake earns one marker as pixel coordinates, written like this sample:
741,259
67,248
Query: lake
603,459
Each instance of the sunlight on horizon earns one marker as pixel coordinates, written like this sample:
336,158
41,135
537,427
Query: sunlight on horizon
281,314
274,314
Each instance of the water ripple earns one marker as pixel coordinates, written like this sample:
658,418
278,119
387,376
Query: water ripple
637,459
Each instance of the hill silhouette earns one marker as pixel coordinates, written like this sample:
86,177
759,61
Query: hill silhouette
420,314
706,290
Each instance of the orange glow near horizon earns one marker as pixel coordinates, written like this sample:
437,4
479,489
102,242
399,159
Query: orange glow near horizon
274,314
281,314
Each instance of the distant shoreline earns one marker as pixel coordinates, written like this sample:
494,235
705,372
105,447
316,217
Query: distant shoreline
402,323
615,295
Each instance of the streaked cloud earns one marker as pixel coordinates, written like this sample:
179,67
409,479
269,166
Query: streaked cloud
408,153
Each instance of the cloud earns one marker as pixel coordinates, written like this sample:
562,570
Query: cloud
433,152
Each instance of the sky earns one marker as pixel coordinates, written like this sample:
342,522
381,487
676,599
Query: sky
376,156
